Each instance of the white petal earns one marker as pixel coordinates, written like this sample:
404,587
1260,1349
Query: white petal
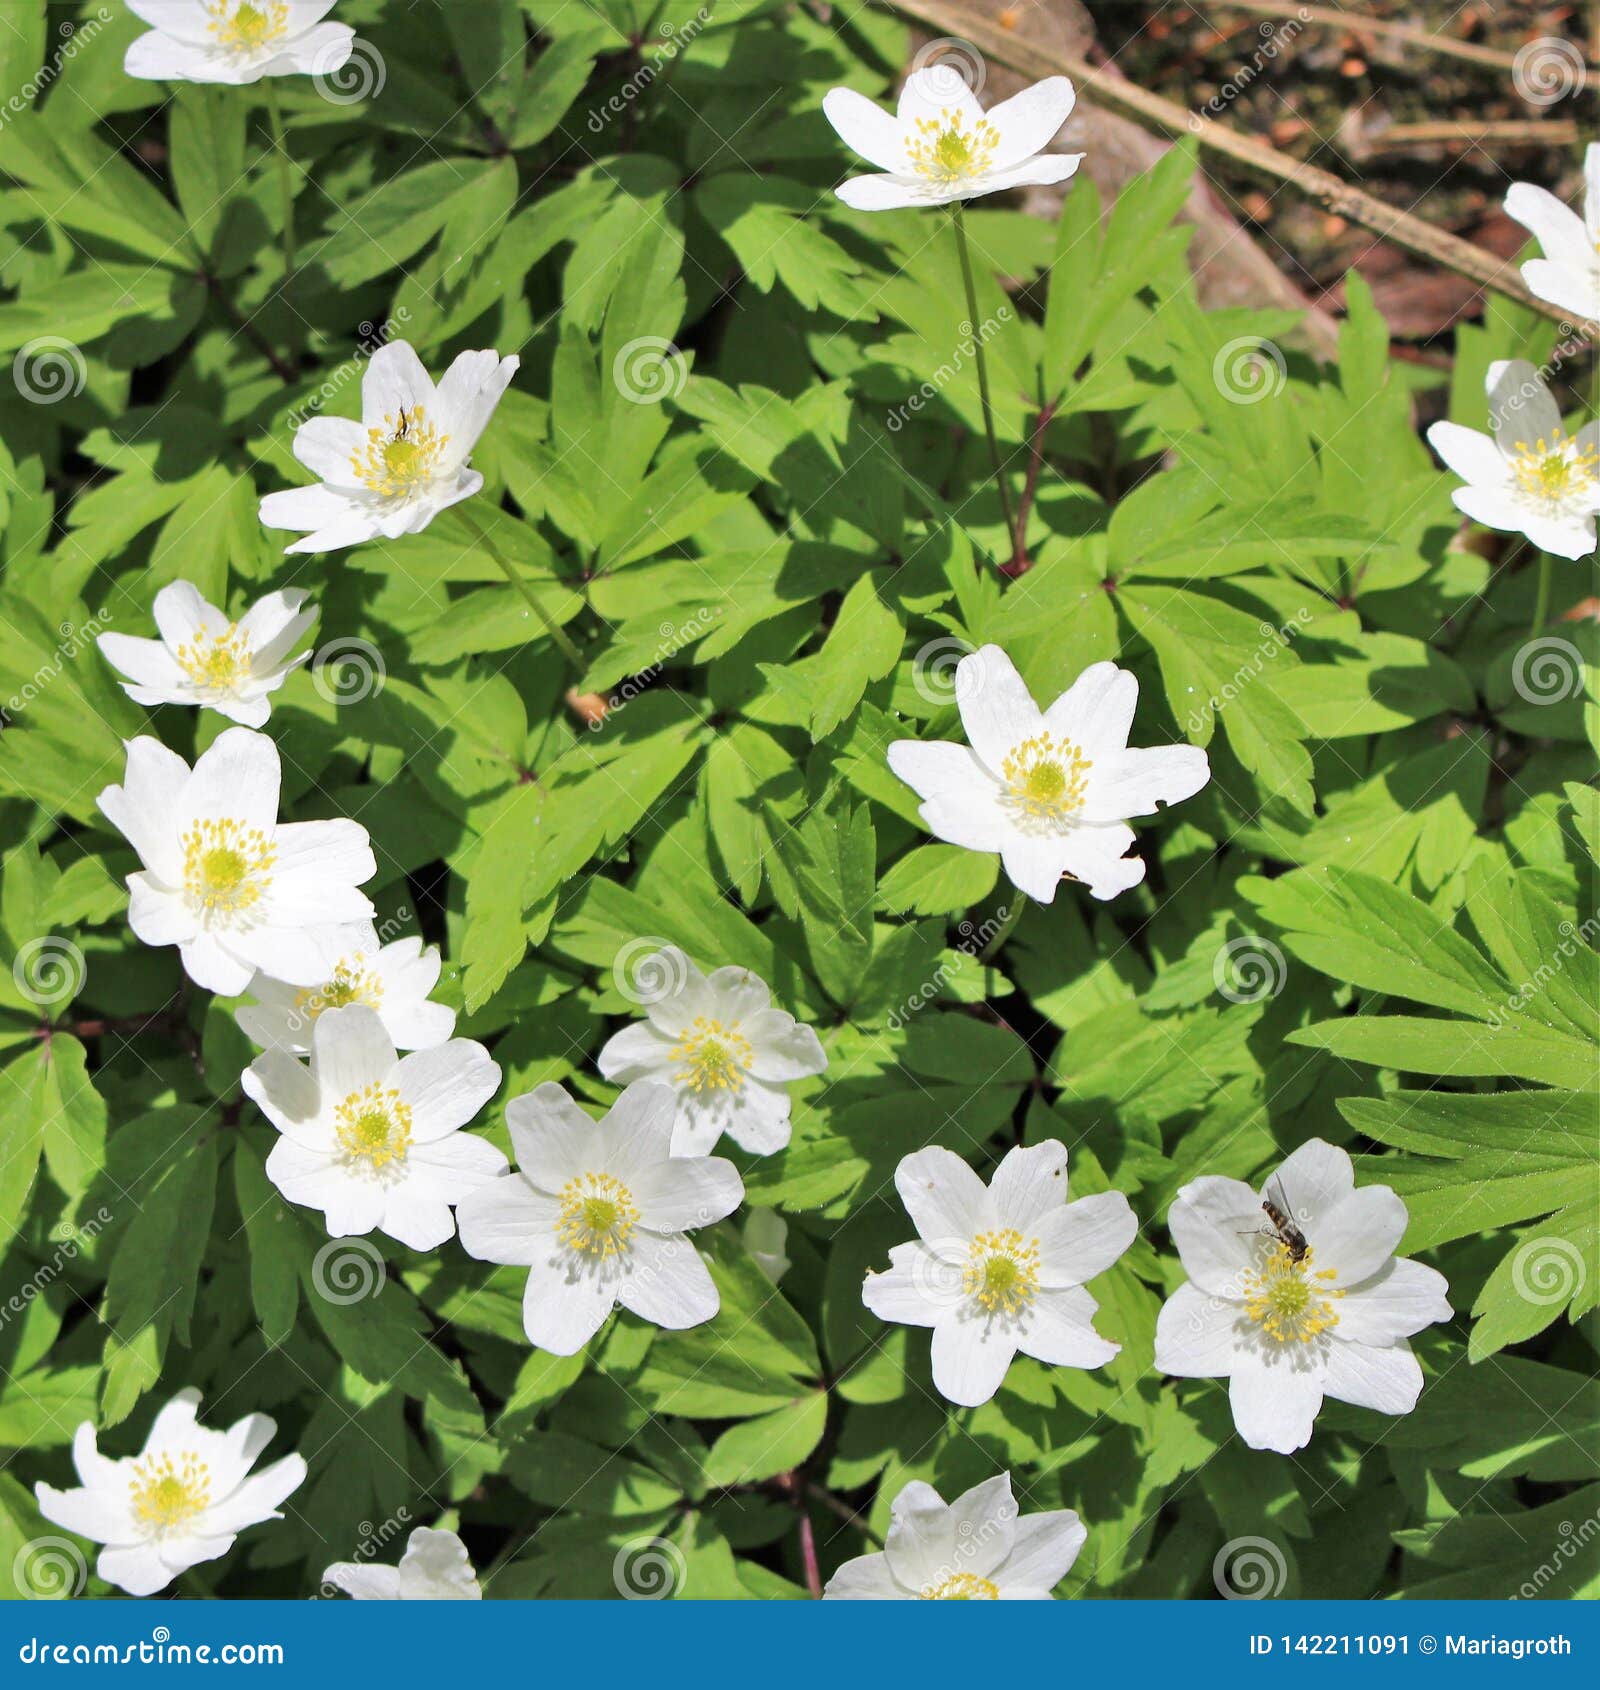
1059,1329
970,1357
961,798
1387,1378
1096,854
287,1094
883,193
637,1130
237,776
350,1049
562,1311
326,445
667,1283
157,914
636,1053
1360,1235
135,1568
418,1217
1096,711
103,1515
1137,783
214,966
258,1498
945,1199
866,128
1312,1182
865,1579
508,1221
1086,1238
394,381
759,1121
1577,291
1557,227
147,662
1035,865
784,1050
436,1567
364,1581
918,1288
1214,1222
1521,410
1028,122
1275,1398
935,94
1196,1335
997,710
1041,172
1030,1184
1046,1545
1469,454
677,1195
144,808
468,393
1399,1300
445,1086
553,1138
984,1521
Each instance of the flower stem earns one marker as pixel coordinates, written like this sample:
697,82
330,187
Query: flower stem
959,222
1009,918
285,178
558,634
1541,602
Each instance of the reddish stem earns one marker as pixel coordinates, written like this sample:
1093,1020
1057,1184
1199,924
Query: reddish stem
1020,562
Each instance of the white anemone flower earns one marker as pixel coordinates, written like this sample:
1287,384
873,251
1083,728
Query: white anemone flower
597,1211
1000,1268
182,1501
372,1138
434,1568
1528,476
1050,790
404,462
1285,1320
235,41
941,146
727,1054
204,659
1569,273
393,979
224,880
975,1549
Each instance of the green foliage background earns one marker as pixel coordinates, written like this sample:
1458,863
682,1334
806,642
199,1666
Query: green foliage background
789,557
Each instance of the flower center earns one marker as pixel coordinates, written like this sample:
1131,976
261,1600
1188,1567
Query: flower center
944,151
373,1128
961,1587
247,29
1292,1302
598,1215
1045,780
1002,1271
715,1058
217,662
1557,473
351,983
167,1494
226,866
399,458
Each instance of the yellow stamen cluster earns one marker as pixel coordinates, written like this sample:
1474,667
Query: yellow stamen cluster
1555,471
351,983
1046,781
247,28
961,1587
166,1494
401,456
1002,1271
598,1215
217,661
226,865
945,151
373,1128
1292,1302
714,1057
